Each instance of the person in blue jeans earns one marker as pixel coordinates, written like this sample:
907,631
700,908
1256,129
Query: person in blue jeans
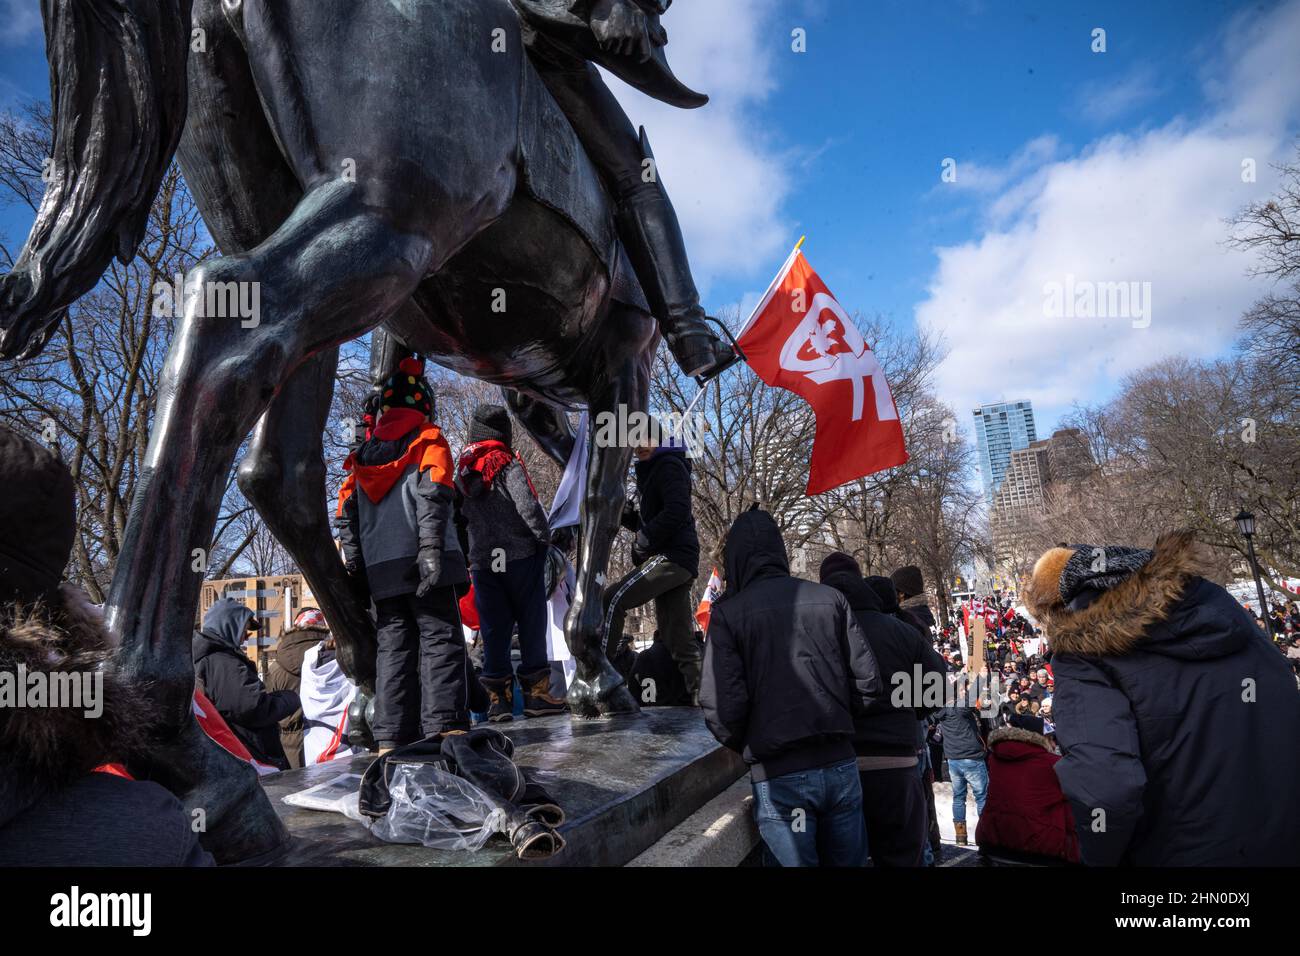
814,817
963,748
786,668
508,540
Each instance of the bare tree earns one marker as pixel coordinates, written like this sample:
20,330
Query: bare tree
91,394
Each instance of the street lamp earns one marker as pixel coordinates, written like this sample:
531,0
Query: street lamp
1246,525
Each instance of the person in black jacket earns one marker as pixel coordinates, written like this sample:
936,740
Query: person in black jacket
1169,707
667,557
886,741
963,749
910,586
230,681
786,669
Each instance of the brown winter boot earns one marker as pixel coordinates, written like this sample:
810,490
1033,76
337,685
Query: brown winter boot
538,701
961,832
501,693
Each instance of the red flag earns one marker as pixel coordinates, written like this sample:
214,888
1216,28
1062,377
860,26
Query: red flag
802,340
711,591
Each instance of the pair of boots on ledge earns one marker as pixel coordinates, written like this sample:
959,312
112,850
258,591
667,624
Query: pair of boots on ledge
538,700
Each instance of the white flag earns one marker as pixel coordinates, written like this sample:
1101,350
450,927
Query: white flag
568,497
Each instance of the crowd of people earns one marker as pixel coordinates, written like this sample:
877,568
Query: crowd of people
1131,713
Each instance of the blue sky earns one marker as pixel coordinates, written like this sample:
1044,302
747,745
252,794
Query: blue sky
1111,166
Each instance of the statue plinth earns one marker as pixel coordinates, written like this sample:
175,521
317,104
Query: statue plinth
623,783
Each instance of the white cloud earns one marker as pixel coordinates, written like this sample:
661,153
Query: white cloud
727,180
20,21
1143,207
1104,102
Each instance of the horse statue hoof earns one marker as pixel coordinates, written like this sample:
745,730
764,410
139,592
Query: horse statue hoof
619,702
582,699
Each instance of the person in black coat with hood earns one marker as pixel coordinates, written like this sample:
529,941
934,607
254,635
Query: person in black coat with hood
1169,707
910,586
786,670
666,553
230,681
886,739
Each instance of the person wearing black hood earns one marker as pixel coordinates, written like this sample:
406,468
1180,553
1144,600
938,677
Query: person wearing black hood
786,671
910,586
58,806
1169,704
666,553
229,679
886,740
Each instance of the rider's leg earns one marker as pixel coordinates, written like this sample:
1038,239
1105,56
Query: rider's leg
647,223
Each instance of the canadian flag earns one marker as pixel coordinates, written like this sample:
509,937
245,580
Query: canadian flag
801,339
711,591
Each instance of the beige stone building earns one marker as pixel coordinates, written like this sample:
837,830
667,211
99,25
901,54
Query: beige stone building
274,599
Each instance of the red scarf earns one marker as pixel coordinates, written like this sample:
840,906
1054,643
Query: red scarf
487,458
428,449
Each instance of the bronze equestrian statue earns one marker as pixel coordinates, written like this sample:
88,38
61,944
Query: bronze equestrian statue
404,165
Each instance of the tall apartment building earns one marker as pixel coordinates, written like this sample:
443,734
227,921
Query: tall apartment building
1000,429
1028,474
1068,456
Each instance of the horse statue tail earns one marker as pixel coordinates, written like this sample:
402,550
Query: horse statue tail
118,92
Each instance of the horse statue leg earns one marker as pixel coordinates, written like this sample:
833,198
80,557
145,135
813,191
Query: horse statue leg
546,423
221,374
283,477
620,388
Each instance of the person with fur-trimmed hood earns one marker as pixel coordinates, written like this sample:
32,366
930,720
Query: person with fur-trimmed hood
1026,818
1169,703
57,807
396,529
309,629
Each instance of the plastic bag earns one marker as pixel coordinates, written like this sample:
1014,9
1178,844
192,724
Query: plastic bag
333,795
437,809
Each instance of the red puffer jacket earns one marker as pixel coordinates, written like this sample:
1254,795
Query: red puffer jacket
1025,813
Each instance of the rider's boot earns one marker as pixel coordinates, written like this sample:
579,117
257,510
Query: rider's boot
648,227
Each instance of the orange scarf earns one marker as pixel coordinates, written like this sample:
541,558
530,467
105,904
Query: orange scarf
429,449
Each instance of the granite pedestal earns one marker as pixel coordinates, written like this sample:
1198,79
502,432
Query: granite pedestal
623,783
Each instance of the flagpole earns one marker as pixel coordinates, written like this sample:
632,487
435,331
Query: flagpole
789,261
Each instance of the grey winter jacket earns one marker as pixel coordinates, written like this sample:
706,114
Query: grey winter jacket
506,515
388,536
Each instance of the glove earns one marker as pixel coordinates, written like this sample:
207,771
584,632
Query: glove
562,538
640,548
630,518
430,568
357,582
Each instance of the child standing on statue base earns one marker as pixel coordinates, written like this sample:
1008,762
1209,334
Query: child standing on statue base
396,527
508,541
